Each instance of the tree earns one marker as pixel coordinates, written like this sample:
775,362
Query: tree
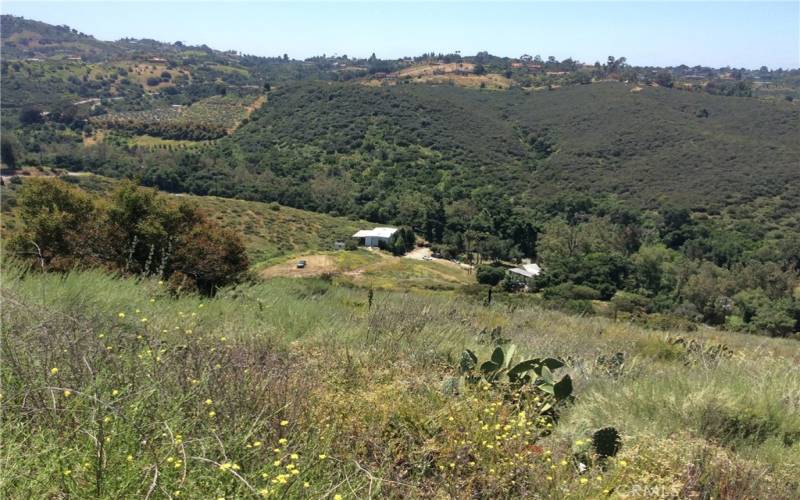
663,78
30,116
489,275
54,216
401,241
777,318
479,69
135,231
8,150
211,256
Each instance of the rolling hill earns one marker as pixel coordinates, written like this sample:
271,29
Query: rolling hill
644,144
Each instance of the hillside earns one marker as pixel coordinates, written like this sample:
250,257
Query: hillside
648,146
116,388
270,232
27,38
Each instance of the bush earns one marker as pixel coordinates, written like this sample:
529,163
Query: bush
489,275
402,241
777,318
153,81
630,302
135,232
212,256
570,291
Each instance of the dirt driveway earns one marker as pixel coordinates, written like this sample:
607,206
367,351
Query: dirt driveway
316,265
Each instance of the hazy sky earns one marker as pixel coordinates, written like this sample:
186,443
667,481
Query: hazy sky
739,34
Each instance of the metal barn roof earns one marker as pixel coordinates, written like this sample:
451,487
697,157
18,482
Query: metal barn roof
378,232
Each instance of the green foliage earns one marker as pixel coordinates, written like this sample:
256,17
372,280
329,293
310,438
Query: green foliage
517,378
630,302
9,151
777,318
133,231
209,118
402,241
489,275
570,291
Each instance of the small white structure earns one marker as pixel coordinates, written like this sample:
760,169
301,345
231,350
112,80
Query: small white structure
374,237
527,271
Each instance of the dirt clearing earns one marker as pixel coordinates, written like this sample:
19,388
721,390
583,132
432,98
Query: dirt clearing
316,265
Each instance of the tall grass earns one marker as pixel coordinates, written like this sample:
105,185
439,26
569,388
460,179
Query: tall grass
301,388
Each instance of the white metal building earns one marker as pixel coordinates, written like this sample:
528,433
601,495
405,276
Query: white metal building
527,270
373,237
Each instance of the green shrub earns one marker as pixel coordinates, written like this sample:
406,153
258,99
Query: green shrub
570,291
489,275
630,302
135,231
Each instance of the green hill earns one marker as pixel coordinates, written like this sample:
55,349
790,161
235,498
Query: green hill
650,145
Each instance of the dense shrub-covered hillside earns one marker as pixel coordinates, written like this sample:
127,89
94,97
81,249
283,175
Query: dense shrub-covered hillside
640,143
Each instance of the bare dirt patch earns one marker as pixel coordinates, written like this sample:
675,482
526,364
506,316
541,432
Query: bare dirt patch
316,265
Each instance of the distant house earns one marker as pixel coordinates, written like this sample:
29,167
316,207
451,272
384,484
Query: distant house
526,271
374,237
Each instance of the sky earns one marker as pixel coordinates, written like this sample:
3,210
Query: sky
736,34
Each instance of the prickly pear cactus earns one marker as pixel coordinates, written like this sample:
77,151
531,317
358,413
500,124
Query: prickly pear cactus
606,442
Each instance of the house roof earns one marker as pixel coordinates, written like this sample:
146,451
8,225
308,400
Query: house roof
378,232
527,270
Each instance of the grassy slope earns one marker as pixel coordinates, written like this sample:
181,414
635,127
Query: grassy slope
221,396
271,231
372,269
